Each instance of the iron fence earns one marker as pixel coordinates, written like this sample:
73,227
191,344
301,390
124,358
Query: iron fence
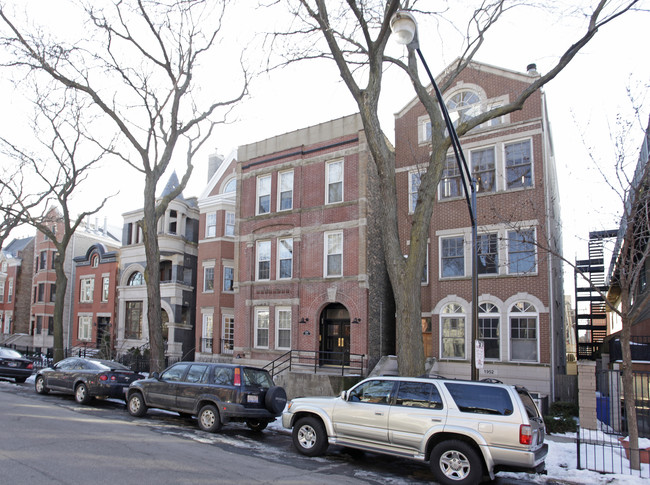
608,453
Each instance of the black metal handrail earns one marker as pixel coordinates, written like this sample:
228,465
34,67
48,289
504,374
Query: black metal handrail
317,360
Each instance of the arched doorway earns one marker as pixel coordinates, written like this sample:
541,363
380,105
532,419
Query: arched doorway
335,335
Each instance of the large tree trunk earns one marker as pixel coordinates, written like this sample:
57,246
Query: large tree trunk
152,277
628,380
59,302
410,356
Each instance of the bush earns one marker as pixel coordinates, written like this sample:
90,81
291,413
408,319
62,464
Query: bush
561,418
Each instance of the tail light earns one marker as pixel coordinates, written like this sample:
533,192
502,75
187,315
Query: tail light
103,377
525,434
30,365
237,376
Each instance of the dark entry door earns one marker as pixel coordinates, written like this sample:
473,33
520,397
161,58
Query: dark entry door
103,333
335,336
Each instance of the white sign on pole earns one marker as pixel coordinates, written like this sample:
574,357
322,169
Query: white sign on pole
479,353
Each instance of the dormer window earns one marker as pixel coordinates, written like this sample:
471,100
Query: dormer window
95,261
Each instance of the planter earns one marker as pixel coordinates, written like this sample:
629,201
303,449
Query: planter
644,454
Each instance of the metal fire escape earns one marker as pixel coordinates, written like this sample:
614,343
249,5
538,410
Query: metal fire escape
591,320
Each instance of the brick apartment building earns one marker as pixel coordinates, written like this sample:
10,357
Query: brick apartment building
520,283
94,319
16,268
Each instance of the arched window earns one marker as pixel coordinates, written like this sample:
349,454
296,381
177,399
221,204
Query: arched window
452,332
463,106
136,279
95,261
231,186
523,332
488,330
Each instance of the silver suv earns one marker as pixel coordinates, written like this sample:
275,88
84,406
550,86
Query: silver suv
466,430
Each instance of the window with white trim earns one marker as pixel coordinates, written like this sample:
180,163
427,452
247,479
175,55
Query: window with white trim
230,223
452,332
285,258
262,328
211,224
106,286
334,254
231,186
207,333
208,279
285,192
519,166
488,330
334,178
521,251
10,290
228,279
2,291
452,257
263,260
85,327
283,328
263,194
228,334
523,332
488,254
483,169
451,183
87,286
463,106
414,187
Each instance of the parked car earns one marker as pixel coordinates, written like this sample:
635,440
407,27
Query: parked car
86,378
466,430
215,393
14,364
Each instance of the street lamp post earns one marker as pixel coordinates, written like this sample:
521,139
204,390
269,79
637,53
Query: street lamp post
404,27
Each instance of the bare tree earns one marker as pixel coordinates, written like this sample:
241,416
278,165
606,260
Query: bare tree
140,67
356,35
64,166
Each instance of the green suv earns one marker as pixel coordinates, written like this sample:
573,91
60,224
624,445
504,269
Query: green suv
466,430
215,393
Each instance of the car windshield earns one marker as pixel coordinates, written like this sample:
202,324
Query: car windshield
8,353
108,365
257,377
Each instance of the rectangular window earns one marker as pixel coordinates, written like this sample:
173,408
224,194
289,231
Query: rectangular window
488,331
285,256
488,255
264,194
521,251
286,191
264,260
41,292
10,290
2,292
283,328
52,292
228,278
86,290
452,259
206,341
414,187
523,339
453,337
85,327
230,224
519,167
334,177
39,324
133,326
43,260
451,184
483,169
208,279
262,328
50,325
424,131
106,286
334,254
228,335
211,224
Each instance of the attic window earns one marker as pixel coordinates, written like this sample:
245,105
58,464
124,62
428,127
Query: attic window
463,106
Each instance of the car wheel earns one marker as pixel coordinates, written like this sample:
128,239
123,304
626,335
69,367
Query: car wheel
81,394
275,400
39,385
209,419
135,405
20,380
309,436
455,462
257,425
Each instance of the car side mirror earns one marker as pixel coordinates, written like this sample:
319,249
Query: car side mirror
344,395
156,376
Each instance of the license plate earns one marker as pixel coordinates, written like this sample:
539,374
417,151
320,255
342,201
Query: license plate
252,399
12,364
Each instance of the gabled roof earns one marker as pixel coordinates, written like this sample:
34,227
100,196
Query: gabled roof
14,247
216,176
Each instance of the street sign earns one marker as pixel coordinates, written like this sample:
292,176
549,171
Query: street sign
479,353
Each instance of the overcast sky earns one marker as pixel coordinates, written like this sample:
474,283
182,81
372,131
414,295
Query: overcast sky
584,102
